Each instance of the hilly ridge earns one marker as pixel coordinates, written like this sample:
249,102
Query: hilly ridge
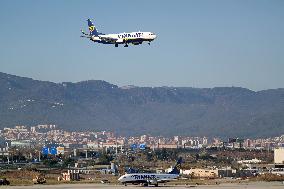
99,105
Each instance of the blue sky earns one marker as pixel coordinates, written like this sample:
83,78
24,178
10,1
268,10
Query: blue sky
200,43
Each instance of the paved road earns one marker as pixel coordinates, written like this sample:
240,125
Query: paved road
258,185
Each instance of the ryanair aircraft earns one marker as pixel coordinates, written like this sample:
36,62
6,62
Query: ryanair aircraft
151,178
136,38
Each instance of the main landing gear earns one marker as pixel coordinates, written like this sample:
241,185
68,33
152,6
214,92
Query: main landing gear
116,45
126,45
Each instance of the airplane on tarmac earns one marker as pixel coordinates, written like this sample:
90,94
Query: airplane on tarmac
151,178
136,38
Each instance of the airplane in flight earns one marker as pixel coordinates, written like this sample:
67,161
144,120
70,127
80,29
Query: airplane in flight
135,38
151,178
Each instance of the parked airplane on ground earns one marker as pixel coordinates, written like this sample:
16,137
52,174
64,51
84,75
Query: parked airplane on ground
136,38
151,178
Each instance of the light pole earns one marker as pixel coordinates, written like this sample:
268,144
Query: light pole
7,152
39,156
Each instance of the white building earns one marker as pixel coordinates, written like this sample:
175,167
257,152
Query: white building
250,161
279,155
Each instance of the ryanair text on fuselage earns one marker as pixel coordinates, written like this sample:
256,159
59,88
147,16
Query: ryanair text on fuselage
144,177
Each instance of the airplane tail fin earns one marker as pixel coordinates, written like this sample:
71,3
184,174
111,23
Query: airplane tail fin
176,169
92,28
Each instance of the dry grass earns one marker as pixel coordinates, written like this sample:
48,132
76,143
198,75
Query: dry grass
269,177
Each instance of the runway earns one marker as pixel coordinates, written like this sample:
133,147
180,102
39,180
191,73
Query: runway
254,185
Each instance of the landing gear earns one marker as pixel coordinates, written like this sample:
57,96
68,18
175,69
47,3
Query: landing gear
149,43
126,45
145,184
116,45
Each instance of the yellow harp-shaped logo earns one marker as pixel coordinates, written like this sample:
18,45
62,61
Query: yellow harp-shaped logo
92,28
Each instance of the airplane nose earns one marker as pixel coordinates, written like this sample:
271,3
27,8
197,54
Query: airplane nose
155,36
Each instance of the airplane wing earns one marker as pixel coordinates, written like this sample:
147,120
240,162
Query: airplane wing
108,39
85,36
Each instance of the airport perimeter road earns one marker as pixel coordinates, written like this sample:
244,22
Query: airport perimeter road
255,185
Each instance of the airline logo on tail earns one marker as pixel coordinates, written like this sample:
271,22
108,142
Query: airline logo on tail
92,28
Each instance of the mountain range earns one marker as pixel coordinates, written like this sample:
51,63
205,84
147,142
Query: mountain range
98,105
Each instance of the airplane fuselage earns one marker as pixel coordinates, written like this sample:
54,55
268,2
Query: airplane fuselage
148,178
122,38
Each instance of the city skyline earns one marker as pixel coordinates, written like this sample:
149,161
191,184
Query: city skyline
44,134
